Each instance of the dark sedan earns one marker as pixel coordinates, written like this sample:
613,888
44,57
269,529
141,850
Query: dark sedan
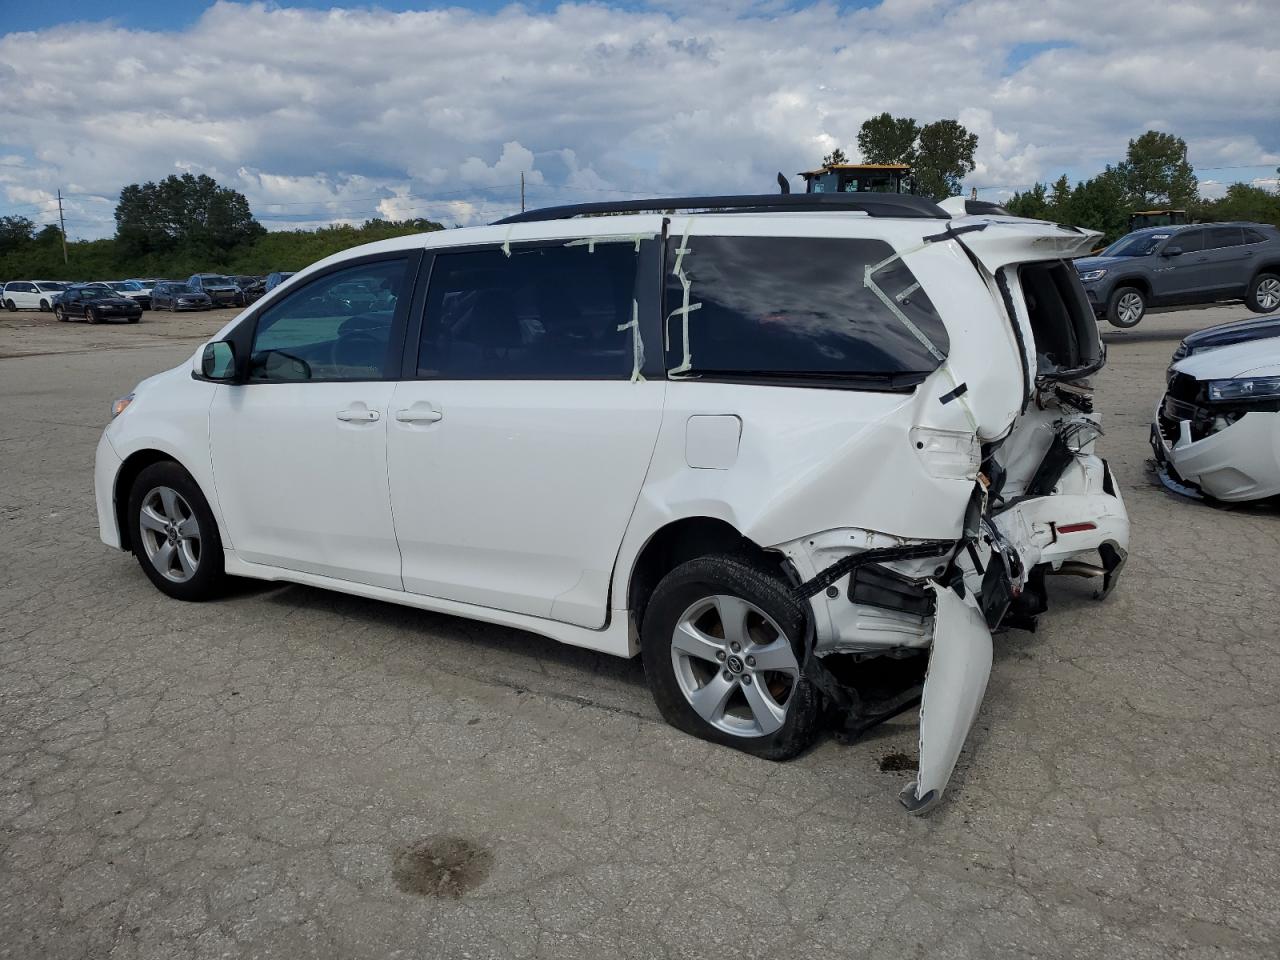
95,303
176,295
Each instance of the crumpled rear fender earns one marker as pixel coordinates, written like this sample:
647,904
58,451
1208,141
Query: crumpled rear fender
959,667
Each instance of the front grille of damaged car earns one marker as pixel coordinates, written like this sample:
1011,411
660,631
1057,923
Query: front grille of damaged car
1186,401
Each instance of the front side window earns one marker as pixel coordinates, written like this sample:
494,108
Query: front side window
324,331
550,311
1188,241
798,308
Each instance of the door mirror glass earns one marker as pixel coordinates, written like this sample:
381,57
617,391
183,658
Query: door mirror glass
219,361
1171,252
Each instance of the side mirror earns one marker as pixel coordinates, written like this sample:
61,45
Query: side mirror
1171,252
218,362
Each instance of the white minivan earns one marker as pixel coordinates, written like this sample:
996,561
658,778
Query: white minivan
30,294
803,453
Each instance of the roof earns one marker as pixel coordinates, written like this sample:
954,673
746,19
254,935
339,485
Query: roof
855,166
872,204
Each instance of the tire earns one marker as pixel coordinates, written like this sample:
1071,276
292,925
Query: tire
91,315
1126,307
59,314
10,306
1264,293
768,713
135,319
192,567
44,306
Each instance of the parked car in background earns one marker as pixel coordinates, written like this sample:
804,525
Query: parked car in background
252,287
1216,432
850,452
220,289
131,289
96,303
177,295
31,294
1197,263
275,279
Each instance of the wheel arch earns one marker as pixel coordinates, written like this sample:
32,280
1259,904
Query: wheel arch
677,542
133,465
1269,266
1141,283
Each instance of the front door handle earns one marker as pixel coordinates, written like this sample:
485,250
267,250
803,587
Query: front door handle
419,414
358,415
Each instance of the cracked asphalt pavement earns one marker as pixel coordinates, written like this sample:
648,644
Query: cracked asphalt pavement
292,773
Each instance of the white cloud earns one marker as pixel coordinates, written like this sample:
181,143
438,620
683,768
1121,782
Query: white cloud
345,114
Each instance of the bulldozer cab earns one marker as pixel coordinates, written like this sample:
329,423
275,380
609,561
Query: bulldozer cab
1157,218
860,178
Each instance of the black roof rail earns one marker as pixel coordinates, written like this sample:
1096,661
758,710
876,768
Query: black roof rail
872,204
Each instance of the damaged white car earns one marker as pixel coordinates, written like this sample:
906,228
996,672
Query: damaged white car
788,448
1216,432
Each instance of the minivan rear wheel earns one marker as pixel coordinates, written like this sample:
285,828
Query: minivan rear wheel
722,645
173,534
1126,307
1264,293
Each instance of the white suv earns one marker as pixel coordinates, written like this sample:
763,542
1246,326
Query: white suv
784,447
31,294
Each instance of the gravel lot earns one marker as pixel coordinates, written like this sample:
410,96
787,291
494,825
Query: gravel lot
291,773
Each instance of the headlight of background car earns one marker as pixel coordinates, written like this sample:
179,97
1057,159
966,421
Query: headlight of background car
120,405
1245,388
1091,275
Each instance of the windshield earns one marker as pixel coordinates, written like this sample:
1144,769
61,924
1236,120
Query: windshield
181,288
51,286
217,281
1135,245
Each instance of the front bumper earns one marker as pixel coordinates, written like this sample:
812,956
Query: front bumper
106,467
1239,462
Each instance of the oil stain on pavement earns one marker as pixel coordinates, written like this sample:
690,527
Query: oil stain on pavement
441,867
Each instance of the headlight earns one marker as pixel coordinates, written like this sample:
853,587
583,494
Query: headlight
1091,275
1245,388
121,405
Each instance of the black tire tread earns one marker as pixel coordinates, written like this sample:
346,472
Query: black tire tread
752,580
209,581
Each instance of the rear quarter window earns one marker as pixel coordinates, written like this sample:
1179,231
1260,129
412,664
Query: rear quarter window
798,308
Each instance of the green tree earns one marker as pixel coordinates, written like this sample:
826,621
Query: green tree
834,157
1033,204
1155,171
15,232
190,212
888,139
1243,201
944,154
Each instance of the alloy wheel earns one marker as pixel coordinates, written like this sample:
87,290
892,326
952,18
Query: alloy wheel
170,534
734,665
1269,293
1130,308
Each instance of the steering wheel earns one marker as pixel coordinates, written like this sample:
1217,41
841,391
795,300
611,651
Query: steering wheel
355,338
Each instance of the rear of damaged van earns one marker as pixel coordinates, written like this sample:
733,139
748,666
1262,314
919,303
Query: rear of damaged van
921,505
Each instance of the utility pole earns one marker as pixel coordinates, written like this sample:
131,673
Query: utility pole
63,224
522,191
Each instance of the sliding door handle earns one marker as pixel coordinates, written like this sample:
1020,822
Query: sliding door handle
417,414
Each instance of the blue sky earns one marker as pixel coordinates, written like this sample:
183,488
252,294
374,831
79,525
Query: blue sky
321,113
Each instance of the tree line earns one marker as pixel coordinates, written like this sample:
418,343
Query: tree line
1154,174
939,153
179,226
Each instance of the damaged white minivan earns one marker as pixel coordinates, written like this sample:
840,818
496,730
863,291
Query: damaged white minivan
795,450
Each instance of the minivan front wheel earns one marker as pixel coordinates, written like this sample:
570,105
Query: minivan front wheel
174,535
1264,293
1126,307
721,640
